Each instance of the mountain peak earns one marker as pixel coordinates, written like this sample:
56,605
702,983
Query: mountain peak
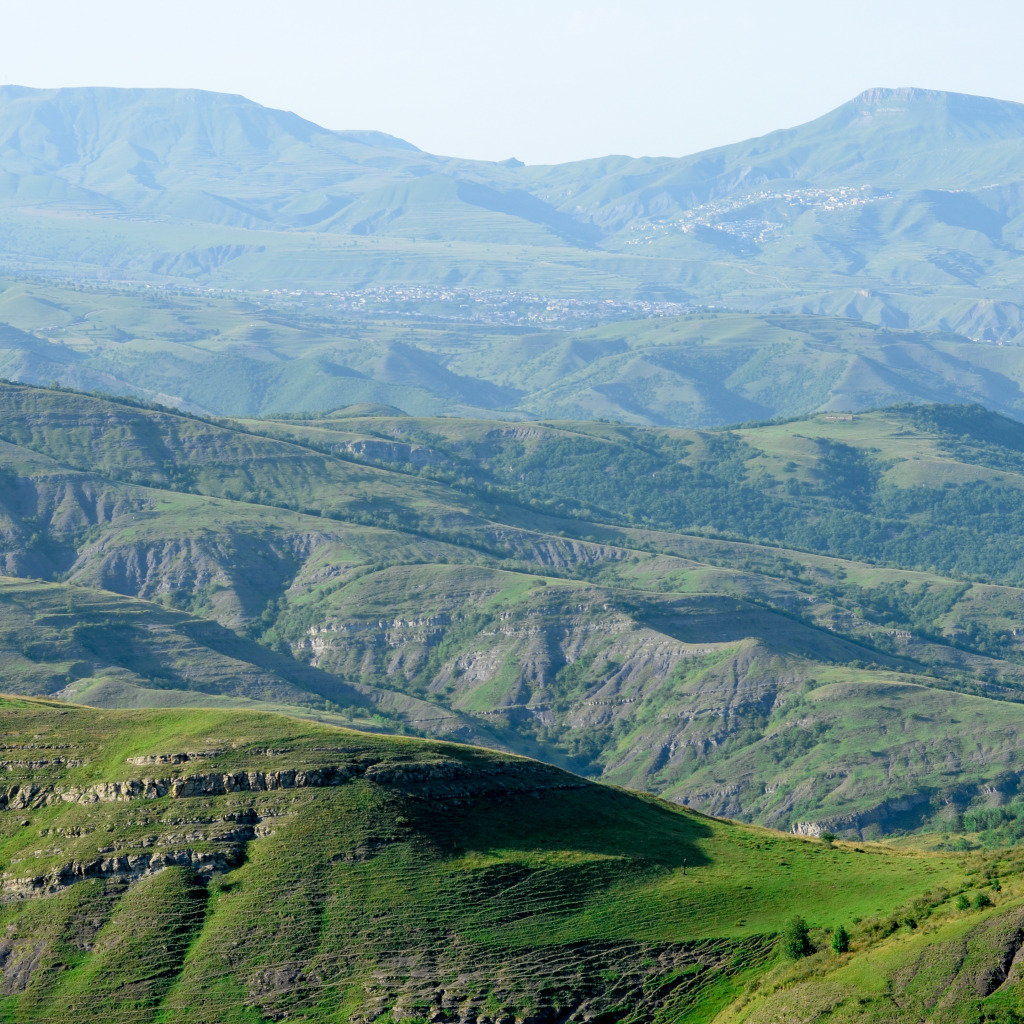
879,97
959,105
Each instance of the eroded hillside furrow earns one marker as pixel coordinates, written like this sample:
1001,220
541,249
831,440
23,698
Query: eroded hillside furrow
571,984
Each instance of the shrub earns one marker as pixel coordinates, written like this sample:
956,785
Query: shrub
982,900
962,902
828,838
796,941
840,940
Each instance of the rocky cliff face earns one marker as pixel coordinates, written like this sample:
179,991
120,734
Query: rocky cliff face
443,783
435,780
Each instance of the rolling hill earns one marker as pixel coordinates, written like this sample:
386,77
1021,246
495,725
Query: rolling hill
253,356
787,623
223,865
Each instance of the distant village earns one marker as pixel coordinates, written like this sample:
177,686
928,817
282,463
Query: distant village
723,215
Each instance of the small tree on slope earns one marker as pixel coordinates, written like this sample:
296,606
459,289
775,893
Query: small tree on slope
796,941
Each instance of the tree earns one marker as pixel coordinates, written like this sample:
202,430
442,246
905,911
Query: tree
840,940
796,940
828,838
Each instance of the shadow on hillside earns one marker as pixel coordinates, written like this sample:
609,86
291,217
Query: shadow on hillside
594,820
711,619
154,644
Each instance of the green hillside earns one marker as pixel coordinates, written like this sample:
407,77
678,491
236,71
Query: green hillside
812,625
220,865
447,592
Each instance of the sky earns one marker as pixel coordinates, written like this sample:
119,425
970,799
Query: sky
544,82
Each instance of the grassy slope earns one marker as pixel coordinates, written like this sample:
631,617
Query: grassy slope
402,896
959,967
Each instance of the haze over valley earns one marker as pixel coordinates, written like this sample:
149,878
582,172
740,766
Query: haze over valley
439,590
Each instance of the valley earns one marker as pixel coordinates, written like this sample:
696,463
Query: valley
428,576
452,592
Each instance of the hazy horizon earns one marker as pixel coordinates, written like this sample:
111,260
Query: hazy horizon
544,83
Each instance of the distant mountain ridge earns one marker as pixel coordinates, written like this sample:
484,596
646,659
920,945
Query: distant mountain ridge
903,209
123,144
208,156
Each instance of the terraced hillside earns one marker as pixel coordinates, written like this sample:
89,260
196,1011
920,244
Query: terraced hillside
811,625
175,866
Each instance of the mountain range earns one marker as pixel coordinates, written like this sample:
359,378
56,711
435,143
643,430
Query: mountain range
727,618
937,173
213,254
408,563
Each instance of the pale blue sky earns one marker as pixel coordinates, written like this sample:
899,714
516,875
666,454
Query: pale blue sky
542,81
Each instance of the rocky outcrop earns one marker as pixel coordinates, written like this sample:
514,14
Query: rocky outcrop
809,829
23,796
440,779
398,452
888,811
179,758
36,765
906,811
126,867
30,795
